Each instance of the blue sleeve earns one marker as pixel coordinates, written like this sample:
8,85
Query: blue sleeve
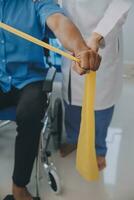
44,9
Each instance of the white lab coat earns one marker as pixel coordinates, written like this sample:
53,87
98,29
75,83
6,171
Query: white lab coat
105,17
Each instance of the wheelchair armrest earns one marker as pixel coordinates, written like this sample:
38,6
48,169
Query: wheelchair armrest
48,82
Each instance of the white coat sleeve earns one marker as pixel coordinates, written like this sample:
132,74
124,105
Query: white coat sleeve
113,18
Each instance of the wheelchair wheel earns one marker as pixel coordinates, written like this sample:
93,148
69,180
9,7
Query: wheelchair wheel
57,123
54,181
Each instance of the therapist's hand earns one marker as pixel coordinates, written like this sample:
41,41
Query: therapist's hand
94,41
89,60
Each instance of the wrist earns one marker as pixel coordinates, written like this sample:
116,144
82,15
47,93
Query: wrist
80,48
97,38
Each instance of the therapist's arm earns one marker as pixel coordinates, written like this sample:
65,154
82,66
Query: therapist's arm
113,19
71,39
94,41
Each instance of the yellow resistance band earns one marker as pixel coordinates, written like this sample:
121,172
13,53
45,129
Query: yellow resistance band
36,41
86,155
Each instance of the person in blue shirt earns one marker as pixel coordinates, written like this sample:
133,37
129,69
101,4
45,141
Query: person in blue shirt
22,71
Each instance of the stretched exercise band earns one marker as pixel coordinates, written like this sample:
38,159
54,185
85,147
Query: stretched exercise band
86,162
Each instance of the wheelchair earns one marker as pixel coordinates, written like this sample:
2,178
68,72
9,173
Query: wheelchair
52,131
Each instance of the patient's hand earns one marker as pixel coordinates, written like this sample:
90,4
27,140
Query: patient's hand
89,60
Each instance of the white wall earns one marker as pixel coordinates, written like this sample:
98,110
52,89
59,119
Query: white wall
129,39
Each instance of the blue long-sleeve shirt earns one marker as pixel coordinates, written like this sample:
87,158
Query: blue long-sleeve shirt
21,62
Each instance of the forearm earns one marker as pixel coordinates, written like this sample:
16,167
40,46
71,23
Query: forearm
66,32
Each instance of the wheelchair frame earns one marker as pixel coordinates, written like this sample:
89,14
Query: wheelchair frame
52,128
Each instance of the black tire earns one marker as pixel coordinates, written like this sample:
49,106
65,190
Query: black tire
54,181
57,123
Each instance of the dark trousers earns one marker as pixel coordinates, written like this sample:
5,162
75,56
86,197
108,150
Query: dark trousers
103,119
30,105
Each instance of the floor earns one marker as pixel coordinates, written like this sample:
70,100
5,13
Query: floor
116,182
